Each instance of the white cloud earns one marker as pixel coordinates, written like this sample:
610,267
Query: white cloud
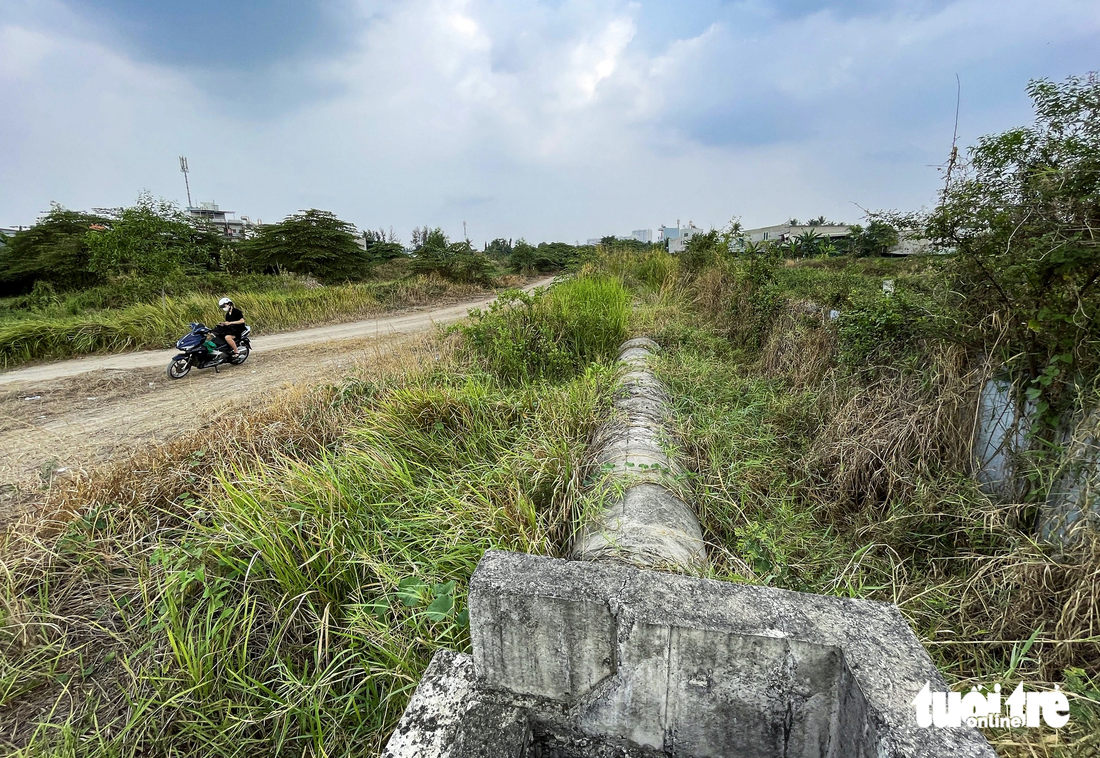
527,118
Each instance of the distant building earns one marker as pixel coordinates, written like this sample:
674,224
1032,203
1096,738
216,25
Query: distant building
593,241
676,238
911,243
642,235
233,228
784,232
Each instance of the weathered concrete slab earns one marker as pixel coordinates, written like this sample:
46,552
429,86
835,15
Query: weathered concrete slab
450,717
695,667
1072,508
547,634
1000,439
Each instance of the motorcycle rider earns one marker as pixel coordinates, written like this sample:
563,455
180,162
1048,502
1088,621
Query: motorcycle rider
231,329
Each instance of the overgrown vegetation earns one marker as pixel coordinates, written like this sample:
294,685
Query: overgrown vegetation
135,277
276,584
554,335
831,461
1022,212
50,333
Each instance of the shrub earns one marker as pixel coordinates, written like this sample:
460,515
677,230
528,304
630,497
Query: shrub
1022,215
880,332
455,261
551,334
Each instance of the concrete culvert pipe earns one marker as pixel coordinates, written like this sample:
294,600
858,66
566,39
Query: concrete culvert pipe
646,521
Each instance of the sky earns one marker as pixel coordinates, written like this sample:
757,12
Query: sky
552,120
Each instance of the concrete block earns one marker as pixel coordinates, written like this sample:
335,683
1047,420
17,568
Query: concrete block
647,526
706,668
546,633
650,524
450,717
641,342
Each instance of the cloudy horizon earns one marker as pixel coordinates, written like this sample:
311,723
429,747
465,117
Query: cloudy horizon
545,120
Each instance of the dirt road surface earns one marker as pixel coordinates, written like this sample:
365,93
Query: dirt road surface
70,415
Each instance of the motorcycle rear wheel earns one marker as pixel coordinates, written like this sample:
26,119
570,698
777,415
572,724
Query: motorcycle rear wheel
178,369
242,355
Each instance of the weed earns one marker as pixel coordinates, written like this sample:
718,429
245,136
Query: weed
552,334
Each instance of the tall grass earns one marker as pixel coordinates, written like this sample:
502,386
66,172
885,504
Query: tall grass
811,477
276,586
159,324
551,334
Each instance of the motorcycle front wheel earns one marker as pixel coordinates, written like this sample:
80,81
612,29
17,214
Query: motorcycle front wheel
179,369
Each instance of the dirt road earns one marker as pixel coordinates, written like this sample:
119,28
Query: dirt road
70,415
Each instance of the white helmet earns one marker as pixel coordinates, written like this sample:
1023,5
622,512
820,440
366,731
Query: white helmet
224,302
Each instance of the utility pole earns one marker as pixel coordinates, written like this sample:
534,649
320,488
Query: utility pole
465,238
183,168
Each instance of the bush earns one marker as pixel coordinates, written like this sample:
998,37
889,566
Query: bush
704,250
454,261
553,256
1022,216
880,332
551,334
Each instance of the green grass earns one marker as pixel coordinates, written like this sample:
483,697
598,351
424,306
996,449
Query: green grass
963,570
523,338
278,588
160,323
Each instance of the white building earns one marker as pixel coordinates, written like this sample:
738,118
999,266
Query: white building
223,221
642,235
784,232
676,237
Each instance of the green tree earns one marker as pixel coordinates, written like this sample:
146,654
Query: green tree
1022,215
382,247
874,239
151,239
456,261
808,244
54,251
543,258
312,242
500,248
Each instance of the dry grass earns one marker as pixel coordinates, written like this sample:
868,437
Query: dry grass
801,346
881,440
77,662
712,297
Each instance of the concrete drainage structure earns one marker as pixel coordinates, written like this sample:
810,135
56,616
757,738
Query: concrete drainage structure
647,524
579,658
575,659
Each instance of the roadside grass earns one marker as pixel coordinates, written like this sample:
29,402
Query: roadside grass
832,479
525,337
158,324
275,584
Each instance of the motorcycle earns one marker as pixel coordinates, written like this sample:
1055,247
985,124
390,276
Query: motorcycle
201,348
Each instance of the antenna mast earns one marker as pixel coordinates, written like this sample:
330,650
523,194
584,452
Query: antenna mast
183,168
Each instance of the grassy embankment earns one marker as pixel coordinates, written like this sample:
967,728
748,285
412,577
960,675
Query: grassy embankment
275,585
282,595
110,320
834,457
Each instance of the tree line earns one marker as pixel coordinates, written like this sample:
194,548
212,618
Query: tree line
154,240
